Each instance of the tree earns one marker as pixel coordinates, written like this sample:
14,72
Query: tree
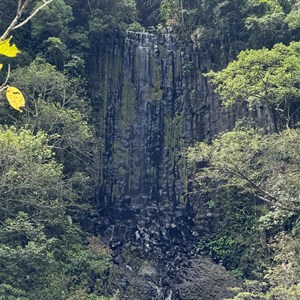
102,20
58,106
266,166
19,19
53,22
56,52
264,77
218,28
37,263
171,12
254,178
13,94
42,255
148,11
272,21
31,179
266,22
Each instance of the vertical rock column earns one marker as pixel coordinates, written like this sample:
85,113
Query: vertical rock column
154,102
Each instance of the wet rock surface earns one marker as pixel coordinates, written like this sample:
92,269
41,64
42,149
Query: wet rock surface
153,103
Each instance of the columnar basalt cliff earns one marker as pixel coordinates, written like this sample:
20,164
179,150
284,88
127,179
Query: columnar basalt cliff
153,103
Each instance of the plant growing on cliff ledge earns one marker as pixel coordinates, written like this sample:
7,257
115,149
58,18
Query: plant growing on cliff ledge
263,77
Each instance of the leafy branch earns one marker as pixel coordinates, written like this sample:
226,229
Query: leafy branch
267,166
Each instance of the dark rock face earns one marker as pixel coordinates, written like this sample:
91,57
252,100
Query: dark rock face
154,102
197,279
203,280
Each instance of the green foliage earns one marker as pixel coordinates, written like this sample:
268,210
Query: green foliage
53,21
25,189
246,167
223,28
135,27
274,219
266,22
148,12
25,253
292,19
281,278
276,293
267,77
56,52
237,245
58,106
103,21
169,10
41,254
217,27
253,177
222,246
46,166
262,165
270,22
37,263
7,13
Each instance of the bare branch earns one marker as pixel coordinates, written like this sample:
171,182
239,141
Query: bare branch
15,25
20,11
46,2
19,5
4,85
258,190
90,7
21,8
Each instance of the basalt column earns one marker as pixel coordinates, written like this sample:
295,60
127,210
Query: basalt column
154,102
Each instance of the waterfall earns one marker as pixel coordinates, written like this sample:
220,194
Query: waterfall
154,102
145,123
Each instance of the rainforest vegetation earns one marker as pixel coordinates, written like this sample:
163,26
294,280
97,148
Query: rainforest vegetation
50,153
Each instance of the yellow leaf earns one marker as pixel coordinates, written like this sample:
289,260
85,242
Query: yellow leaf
7,49
1,66
15,98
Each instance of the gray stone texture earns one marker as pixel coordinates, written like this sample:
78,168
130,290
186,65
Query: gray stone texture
153,103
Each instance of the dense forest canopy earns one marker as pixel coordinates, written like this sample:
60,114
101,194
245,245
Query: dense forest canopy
49,181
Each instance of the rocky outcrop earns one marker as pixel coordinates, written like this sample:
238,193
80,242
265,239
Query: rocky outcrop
195,279
153,103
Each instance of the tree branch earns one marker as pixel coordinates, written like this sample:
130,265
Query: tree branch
21,8
4,84
15,24
10,28
46,2
268,197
